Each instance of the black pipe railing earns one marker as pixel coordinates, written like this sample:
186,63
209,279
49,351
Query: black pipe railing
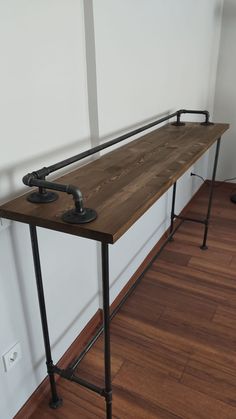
80,214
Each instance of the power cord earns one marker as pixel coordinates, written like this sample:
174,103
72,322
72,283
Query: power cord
232,197
200,177
206,180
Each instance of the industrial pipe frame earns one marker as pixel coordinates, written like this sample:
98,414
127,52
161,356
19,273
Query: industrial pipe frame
38,179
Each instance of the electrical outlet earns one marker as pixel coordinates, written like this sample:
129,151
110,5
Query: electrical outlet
4,223
11,358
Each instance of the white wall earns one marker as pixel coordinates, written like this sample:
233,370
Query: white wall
151,58
44,117
225,99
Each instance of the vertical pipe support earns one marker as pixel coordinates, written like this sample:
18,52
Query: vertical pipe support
172,216
106,326
55,401
204,245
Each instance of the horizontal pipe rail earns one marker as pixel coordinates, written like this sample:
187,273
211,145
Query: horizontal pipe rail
45,171
68,374
194,220
81,214
88,385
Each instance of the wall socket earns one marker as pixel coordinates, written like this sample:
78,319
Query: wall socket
11,358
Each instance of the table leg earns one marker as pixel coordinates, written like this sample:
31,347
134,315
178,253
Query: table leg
204,246
56,401
106,325
172,216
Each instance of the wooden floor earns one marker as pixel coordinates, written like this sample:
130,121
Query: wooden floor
174,341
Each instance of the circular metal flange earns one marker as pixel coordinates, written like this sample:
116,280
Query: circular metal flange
42,198
75,217
233,198
178,124
207,123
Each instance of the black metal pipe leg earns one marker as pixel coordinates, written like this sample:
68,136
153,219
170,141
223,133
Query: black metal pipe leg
56,401
204,245
106,325
172,216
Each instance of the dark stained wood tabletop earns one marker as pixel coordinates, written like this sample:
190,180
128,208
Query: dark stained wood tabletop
122,184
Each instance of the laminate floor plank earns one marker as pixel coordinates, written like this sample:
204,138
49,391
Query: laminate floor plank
218,289
215,268
233,263
177,398
216,256
146,349
159,288
205,375
225,316
175,257
151,308
199,334
128,405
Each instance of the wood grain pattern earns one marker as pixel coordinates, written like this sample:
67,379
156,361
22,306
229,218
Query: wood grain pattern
174,358
124,183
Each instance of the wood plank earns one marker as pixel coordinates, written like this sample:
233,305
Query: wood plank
215,288
178,258
188,249
140,348
151,308
215,268
128,405
175,397
209,377
219,244
158,335
225,316
233,262
123,184
202,335
159,291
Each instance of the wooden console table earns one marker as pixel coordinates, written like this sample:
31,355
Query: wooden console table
120,186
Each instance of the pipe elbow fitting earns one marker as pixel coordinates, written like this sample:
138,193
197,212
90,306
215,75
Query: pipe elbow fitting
207,116
77,196
27,179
